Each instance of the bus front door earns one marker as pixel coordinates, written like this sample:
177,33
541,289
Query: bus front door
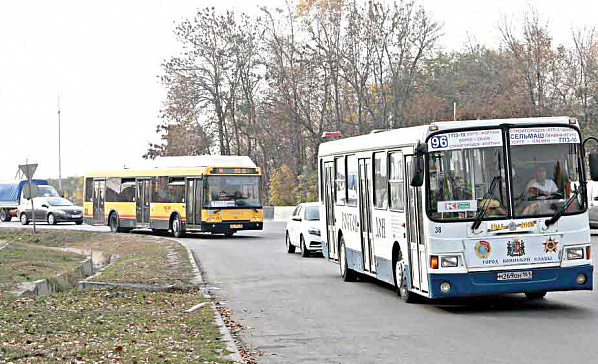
142,202
365,213
193,201
99,190
329,204
416,241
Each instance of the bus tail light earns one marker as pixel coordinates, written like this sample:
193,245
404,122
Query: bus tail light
588,252
434,261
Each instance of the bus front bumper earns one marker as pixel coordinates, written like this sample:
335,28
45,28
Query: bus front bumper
487,283
225,227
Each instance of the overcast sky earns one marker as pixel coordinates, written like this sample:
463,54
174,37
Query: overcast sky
103,59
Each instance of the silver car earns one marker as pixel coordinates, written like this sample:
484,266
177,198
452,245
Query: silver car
52,210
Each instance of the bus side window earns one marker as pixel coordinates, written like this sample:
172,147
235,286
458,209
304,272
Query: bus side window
88,189
396,181
351,180
340,191
380,181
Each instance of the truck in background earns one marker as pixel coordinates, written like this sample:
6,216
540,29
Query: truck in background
10,197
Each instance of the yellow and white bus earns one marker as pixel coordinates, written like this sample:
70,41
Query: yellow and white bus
217,194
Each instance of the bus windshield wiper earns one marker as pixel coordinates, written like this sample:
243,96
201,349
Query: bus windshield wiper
563,208
486,203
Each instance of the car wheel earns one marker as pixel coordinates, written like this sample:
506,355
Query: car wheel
24,219
535,295
78,222
347,273
304,251
113,223
177,227
51,219
290,247
401,283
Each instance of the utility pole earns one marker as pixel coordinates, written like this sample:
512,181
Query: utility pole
59,159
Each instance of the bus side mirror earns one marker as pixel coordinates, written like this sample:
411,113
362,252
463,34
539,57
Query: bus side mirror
417,171
594,166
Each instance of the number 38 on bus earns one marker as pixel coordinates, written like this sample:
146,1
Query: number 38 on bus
462,208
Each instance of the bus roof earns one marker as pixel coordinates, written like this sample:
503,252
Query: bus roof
412,135
178,166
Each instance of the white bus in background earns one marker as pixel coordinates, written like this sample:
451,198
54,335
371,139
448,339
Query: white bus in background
460,208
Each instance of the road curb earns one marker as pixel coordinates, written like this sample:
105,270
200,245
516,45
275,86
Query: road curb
44,287
231,346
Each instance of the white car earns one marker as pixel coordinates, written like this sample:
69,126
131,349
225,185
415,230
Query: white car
303,229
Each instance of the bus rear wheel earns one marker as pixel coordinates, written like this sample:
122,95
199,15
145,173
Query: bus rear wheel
177,227
347,273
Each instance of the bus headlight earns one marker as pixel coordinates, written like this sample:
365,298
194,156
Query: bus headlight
256,219
574,253
449,261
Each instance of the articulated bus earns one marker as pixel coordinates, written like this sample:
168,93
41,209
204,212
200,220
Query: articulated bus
461,208
217,194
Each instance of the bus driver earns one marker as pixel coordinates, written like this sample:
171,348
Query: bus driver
539,185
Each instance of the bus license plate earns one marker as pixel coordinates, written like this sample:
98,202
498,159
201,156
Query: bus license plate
236,226
508,276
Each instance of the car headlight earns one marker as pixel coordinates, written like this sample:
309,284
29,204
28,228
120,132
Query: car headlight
449,261
574,253
314,231
60,212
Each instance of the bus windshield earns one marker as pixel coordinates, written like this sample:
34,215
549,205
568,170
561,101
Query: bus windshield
546,168
466,172
232,191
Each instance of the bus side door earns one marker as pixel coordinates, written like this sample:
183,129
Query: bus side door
193,201
329,206
415,238
99,190
365,214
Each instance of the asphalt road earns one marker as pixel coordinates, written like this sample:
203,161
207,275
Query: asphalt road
297,310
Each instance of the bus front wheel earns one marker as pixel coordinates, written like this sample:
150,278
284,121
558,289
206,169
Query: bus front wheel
401,283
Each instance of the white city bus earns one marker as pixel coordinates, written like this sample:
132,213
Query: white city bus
460,208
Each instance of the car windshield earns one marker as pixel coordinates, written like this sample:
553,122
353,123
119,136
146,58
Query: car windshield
312,213
466,172
232,191
47,191
546,168
59,202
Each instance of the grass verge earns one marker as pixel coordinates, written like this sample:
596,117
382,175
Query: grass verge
22,263
109,325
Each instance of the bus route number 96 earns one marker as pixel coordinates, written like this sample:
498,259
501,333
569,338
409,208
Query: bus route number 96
439,142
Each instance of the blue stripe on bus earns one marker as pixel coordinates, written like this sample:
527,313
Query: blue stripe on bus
486,283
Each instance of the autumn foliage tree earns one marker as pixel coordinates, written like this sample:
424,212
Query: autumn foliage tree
268,85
